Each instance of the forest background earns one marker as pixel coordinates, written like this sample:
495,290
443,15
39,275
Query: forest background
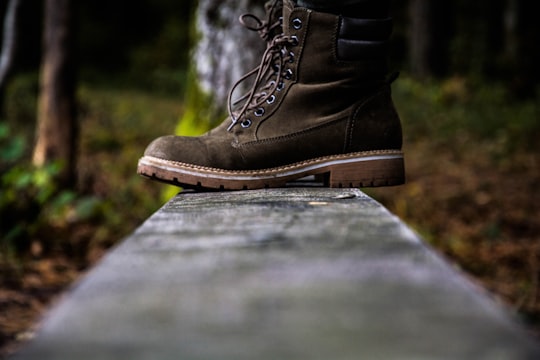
468,96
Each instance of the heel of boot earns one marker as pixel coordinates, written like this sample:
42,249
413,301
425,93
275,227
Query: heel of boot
368,172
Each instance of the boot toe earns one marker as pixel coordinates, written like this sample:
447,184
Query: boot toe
158,147
178,148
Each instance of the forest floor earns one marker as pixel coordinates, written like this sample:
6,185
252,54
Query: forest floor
472,195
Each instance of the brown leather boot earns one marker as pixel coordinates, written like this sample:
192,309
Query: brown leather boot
320,105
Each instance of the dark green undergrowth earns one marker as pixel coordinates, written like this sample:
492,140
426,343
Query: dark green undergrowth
444,110
38,218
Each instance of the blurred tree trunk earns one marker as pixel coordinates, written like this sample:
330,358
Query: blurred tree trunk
511,37
57,129
420,37
520,53
223,50
9,41
430,33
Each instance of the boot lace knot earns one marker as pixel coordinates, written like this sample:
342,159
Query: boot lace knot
268,27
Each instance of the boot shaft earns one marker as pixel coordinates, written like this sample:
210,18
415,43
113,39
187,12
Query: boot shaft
333,56
322,68
336,47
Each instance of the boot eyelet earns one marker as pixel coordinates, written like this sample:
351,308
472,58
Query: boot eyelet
259,112
271,99
291,57
294,40
280,86
245,123
288,74
297,24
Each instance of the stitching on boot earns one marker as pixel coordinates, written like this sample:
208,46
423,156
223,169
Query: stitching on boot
335,38
295,165
290,136
302,44
350,131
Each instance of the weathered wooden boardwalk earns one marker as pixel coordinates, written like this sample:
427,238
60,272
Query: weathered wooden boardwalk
294,273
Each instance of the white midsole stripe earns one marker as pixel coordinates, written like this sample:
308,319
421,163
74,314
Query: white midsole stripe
163,165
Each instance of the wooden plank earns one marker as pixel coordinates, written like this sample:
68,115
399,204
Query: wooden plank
295,273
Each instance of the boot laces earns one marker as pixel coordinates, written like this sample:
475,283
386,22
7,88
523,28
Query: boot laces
269,77
273,24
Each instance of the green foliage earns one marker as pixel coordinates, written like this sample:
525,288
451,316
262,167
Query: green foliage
457,107
19,110
12,149
31,204
117,125
199,114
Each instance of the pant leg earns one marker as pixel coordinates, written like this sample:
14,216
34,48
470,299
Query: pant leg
325,4
354,8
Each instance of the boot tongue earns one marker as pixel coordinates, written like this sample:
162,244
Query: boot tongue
288,4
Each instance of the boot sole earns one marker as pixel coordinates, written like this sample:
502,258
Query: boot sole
362,169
